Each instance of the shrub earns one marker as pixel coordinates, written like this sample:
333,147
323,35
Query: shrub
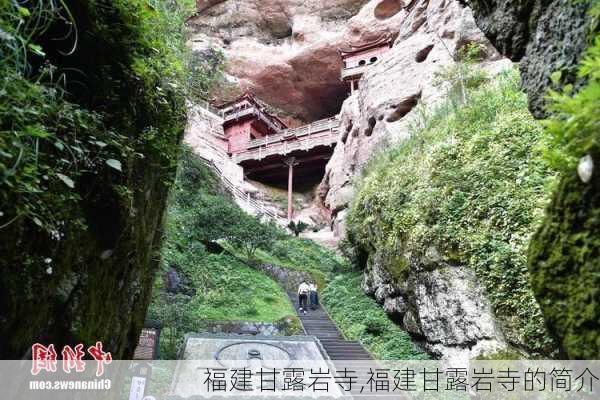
472,185
220,286
359,317
297,227
92,110
375,325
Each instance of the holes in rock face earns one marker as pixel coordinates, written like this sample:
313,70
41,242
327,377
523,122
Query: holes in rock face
388,8
373,59
448,34
422,54
404,108
371,121
362,62
298,36
346,131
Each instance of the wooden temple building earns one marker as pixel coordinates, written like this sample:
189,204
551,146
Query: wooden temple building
270,151
356,59
244,120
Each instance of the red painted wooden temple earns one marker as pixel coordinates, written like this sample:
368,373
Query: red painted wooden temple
357,58
244,120
270,151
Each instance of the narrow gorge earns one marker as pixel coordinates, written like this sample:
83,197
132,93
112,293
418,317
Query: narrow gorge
177,171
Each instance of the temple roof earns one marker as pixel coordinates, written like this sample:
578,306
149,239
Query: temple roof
249,96
383,39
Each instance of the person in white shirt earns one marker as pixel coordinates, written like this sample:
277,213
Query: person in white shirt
313,296
303,291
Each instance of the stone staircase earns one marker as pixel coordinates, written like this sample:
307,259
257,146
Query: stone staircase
341,351
317,323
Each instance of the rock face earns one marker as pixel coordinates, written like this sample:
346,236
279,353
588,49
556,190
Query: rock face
288,279
564,260
284,327
550,36
444,308
89,278
395,89
286,51
287,54
546,36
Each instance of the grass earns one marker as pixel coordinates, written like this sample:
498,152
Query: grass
359,317
213,287
234,291
223,287
299,254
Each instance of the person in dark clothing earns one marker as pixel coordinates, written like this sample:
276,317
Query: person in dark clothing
314,296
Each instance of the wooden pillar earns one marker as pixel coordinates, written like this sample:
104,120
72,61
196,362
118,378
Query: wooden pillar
290,162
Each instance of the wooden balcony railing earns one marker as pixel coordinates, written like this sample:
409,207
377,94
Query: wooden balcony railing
354,71
310,129
327,138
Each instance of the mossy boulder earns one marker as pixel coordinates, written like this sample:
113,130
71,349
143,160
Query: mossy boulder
445,218
564,261
90,132
545,35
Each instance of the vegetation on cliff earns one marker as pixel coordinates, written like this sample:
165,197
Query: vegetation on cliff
91,114
470,183
206,277
198,282
359,317
564,255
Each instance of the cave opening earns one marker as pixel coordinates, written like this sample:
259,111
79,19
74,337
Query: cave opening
404,107
388,8
423,53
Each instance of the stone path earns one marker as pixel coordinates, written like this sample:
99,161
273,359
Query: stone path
317,323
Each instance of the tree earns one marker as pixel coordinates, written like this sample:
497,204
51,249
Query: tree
249,234
297,227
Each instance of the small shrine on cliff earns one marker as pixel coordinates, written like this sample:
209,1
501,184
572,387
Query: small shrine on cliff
245,119
357,58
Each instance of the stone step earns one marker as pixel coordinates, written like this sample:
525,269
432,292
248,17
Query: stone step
344,348
317,323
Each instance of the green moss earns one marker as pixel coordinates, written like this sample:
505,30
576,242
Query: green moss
471,185
360,318
564,260
291,325
90,126
398,267
564,255
501,356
